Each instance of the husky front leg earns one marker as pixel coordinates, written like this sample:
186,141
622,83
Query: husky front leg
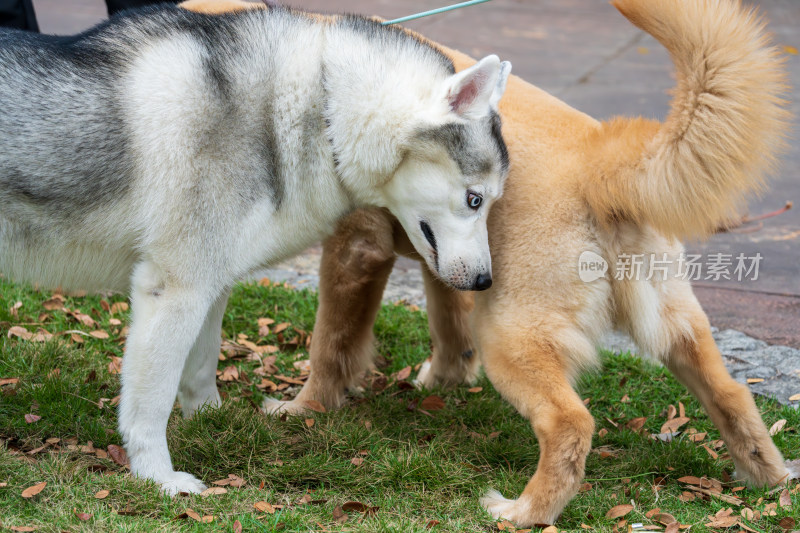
166,320
198,386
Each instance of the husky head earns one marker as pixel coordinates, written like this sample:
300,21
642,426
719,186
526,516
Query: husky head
454,166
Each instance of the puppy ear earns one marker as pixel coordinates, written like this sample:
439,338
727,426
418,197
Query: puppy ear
500,88
470,91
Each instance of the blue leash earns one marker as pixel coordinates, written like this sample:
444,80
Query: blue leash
433,12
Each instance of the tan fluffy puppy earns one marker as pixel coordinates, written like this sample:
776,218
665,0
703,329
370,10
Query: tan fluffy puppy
628,186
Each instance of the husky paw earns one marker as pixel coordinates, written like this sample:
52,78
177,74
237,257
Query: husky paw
271,406
177,482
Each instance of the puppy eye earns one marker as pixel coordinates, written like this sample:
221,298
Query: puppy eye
474,200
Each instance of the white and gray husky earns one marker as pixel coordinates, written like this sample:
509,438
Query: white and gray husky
170,153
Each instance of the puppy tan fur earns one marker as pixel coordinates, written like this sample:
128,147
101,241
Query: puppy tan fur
625,186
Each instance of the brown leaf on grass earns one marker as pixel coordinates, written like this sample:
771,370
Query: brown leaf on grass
664,518
339,516
23,529
691,480
287,379
309,422
723,519
55,303
30,418
674,527
357,461
99,334
724,497
472,390
785,499
686,497
19,331
102,494
314,405
431,524
214,491
586,487
787,523
355,506
637,423
671,412
777,427
403,374
697,437
8,381
712,453
283,326
83,517
115,365
432,403
229,373
619,510
794,398
672,425
119,307
117,454
264,507
33,490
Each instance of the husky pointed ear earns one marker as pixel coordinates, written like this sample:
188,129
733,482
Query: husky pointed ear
470,92
500,88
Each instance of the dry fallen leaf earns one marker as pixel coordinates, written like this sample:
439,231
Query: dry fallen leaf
619,510
102,494
357,461
115,365
432,403
339,516
22,529
785,499
671,426
83,517
309,422
264,507
30,418
99,334
117,454
777,427
214,491
403,374
19,331
787,523
473,390
237,527
32,491
794,398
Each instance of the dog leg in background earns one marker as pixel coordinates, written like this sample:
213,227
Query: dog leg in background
453,362
356,263
528,371
198,386
697,363
166,320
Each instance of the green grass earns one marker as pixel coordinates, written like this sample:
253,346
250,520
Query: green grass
416,468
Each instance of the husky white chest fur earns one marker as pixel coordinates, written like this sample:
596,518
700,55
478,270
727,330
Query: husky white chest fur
169,153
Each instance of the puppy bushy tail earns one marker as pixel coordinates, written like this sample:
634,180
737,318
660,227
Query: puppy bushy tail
727,122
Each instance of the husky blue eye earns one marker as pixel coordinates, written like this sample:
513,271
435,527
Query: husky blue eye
474,200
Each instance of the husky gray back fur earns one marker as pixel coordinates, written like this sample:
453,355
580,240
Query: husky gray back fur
169,153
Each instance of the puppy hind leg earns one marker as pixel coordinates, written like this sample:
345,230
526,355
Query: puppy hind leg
356,263
166,320
531,375
453,361
198,385
697,363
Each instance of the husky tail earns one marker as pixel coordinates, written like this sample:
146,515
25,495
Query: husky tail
687,176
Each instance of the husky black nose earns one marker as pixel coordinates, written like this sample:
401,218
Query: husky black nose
482,282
